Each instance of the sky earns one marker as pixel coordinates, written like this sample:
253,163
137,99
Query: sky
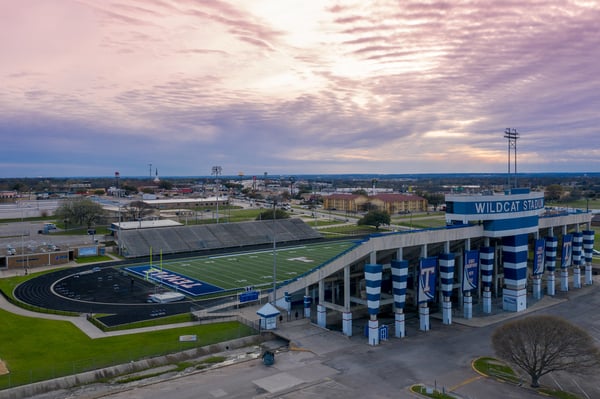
91,87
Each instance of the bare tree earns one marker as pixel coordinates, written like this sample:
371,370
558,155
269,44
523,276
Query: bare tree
137,210
542,344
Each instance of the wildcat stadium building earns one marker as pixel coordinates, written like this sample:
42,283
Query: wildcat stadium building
505,245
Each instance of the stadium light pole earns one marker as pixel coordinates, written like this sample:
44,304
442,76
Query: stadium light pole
274,256
120,249
512,135
216,171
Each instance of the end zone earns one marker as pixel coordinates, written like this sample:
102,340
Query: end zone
176,281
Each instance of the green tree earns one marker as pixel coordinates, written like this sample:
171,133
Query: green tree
375,218
553,192
434,199
542,344
80,211
165,185
129,189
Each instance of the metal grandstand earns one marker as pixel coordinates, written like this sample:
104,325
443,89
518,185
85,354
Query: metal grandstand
180,239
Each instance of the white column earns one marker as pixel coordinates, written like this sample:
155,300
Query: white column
373,331
564,279
321,310
588,274
537,287
424,317
447,311
576,277
400,324
551,284
347,323
468,306
487,301
321,316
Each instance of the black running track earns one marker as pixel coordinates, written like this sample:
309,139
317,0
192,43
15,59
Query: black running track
105,290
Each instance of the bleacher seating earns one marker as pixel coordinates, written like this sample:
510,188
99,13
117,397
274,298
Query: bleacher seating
180,239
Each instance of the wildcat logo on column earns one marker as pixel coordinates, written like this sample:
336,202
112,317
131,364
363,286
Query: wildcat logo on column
567,251
471,271
539,257
427,278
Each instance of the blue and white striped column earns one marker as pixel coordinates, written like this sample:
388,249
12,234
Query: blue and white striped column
373,282
577,258
514,255
551,248
307,301
486,261
447,284
588,251
399,278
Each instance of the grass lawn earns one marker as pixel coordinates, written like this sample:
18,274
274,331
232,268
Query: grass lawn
38,349
498,369
238,270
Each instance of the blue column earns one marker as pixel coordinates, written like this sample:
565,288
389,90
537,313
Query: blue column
447,284
373,282
486,260
588,250
399,278
307,301
514,254
577,258
551,248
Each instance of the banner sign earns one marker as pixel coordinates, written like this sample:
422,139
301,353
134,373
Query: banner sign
495,207
176,281
427,277
87,251
539,257
567,251
471,271
248,296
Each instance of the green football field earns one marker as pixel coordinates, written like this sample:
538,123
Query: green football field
238,270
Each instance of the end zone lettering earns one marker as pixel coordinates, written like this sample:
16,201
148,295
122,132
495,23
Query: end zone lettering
172,278
179,282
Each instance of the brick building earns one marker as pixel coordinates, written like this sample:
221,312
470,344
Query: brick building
391,203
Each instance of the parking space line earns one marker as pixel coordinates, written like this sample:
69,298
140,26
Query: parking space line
466,382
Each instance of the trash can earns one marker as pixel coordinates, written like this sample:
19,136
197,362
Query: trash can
268,358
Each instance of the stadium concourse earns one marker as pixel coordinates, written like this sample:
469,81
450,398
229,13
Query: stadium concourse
123,298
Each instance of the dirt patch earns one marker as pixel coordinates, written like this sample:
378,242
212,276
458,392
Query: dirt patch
3,368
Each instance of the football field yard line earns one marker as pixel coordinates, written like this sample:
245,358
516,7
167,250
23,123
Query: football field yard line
242,269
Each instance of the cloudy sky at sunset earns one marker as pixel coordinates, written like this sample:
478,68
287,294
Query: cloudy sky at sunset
90,87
